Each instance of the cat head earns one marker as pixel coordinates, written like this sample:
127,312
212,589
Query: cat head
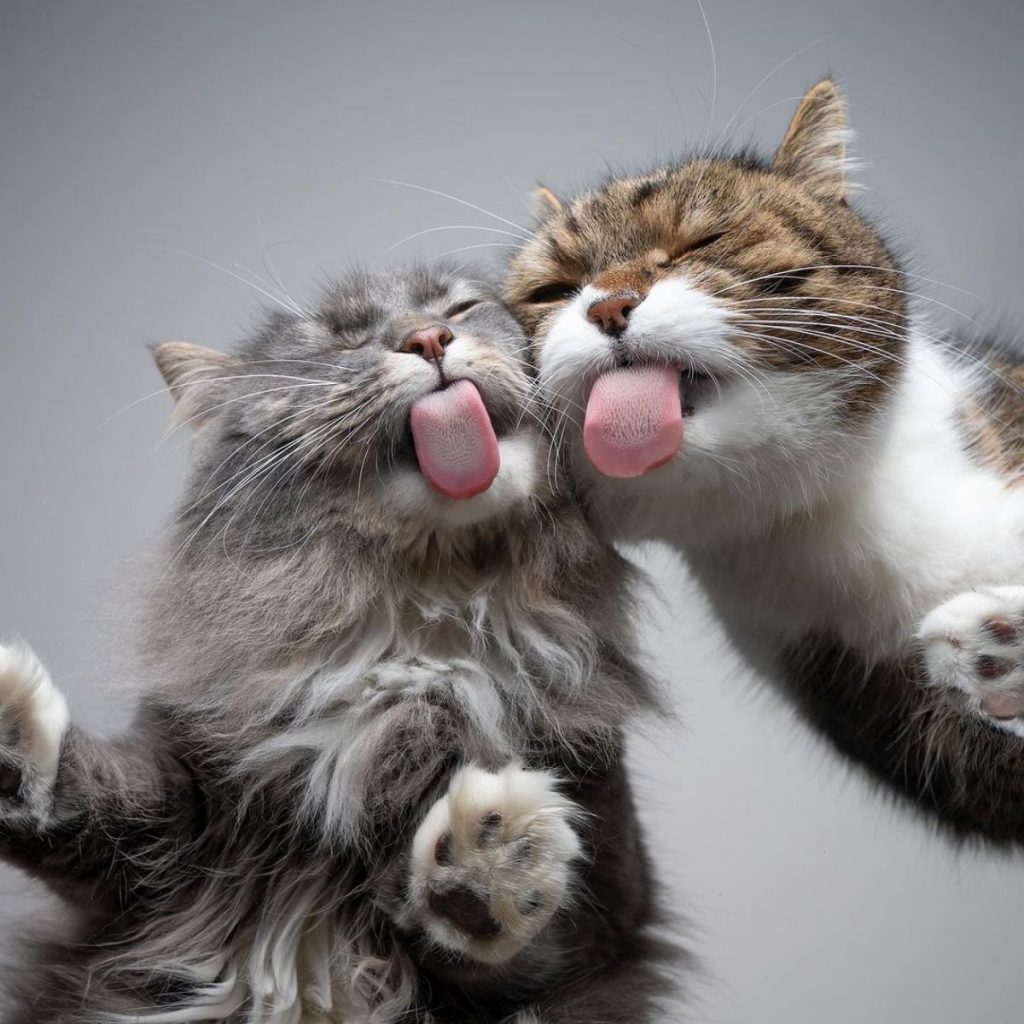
731,320
398,406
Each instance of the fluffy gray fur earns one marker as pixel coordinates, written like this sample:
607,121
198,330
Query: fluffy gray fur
328,641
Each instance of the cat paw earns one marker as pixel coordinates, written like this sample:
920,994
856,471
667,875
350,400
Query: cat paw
974,644
33,719
492,861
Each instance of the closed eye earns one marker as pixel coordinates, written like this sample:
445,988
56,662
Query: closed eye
703,243
683,250
461,307
557,292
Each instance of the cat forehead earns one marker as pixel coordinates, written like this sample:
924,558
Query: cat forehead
701,192
366,297
631,216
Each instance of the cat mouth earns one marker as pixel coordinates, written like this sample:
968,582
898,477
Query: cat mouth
694,388
452,436
693,383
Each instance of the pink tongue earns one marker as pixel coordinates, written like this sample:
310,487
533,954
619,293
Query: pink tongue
634,420
455,442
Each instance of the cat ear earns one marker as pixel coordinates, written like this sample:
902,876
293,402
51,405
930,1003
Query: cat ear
814,149
545,203
191,372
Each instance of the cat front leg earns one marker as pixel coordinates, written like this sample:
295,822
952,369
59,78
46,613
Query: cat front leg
78,811
974,644
493,861
33,721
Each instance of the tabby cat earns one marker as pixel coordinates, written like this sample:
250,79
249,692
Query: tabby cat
741,370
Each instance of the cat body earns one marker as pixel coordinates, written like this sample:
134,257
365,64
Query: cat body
911,518
377,770
742,373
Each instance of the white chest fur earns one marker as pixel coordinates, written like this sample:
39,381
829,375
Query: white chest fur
914,521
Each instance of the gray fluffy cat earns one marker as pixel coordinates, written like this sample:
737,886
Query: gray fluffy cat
376,774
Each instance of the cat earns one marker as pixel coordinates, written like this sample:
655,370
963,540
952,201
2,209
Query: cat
377,769
740,370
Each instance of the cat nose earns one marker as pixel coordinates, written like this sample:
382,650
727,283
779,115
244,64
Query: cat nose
428,342
612,314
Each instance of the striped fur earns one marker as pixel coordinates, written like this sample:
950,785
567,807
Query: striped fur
847,477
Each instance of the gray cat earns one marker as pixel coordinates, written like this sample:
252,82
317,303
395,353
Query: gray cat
376,773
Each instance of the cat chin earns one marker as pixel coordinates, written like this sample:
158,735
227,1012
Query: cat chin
408,495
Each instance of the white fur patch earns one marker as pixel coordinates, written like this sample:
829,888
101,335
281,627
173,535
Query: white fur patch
793,522
676,323
407,493
33,719
904,520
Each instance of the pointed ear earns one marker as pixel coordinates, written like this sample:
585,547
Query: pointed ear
545,203
814,149
190,372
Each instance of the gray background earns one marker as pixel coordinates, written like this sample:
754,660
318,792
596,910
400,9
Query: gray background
223,129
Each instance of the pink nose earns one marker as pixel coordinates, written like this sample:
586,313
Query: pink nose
612,314
428,342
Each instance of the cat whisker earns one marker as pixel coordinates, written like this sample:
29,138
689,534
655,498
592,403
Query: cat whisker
771,74
268,265
285,304
481,245
524,232
243,398
449,227
855,266
800,346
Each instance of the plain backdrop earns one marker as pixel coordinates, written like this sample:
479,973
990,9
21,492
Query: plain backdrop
153,155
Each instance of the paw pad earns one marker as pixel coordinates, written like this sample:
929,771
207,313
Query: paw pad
492,861
468,911
974,646
443,849
490,823
989,667
1001,631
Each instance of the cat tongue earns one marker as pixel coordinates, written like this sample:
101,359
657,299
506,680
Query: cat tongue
455,443
634,420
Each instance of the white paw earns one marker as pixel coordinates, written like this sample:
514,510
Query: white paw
492,861
33,718
974,643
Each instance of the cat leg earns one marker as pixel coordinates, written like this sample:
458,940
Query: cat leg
636,989
78,811
33,721
492,861
974,644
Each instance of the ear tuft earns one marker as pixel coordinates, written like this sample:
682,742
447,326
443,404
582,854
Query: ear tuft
815,148
546,203
189,372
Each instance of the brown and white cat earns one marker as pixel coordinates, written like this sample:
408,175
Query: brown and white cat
740,370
